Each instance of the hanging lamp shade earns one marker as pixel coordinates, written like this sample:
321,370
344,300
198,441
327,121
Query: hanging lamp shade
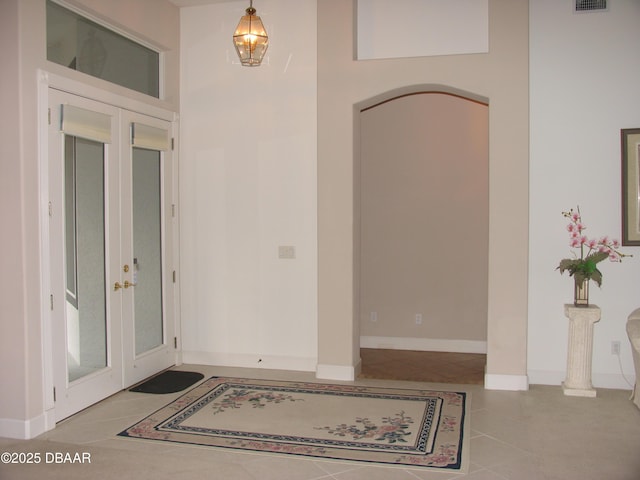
250,39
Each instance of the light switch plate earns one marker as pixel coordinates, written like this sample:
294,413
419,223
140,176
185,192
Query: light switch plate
286,251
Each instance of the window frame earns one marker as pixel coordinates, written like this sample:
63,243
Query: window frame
118,31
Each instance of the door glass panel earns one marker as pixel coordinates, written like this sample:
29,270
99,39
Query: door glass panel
147,249
85,257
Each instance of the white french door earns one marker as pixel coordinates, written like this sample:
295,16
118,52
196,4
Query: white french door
147,243
111,243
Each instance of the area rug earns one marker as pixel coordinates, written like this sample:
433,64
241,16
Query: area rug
384,426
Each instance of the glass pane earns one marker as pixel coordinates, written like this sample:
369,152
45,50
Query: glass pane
85,257
147,249
80,44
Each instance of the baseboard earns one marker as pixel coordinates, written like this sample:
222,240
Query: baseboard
546,377
424,344
275,362
26,429
614,381
344,373
599,380
494,381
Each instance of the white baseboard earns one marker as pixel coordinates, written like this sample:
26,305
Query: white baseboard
494,381
424,344
344,373
546,377
599,380
614,381
26,429
300,364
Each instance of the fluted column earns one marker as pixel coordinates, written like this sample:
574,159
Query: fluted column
581,320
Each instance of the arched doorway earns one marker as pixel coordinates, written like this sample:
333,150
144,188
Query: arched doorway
422,232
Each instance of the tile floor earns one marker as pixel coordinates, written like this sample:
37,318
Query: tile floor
538,434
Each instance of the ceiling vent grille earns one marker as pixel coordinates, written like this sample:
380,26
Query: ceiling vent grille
591,5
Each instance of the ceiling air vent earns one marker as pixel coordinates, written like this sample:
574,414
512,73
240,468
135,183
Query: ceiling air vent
591,5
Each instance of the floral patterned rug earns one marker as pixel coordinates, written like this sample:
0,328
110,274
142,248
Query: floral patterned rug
389,426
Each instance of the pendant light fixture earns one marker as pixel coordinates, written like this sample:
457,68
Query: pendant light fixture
250,39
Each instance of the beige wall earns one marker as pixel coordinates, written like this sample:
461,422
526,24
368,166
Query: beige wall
13,358
502,77
424,226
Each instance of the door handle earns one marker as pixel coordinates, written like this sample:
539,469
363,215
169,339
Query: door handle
117,286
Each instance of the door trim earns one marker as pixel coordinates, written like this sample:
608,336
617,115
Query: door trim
154,108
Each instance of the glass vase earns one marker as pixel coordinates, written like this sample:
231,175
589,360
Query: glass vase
581,293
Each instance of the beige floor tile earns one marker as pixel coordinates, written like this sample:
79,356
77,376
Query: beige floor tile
376,473
483,474
435,475
109,463
336,467
539,434
267,467
488,452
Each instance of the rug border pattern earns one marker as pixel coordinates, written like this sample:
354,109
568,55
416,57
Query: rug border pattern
174,423
451,457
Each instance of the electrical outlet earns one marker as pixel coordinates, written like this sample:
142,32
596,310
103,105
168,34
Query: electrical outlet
615,347
418,319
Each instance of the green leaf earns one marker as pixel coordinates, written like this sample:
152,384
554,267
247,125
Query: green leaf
568,264
597,257
589,266
597,277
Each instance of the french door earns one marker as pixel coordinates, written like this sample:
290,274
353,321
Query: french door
111,243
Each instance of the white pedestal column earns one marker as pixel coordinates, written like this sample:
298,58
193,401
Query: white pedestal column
581,320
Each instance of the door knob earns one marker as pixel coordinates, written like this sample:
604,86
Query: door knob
128,284
117,286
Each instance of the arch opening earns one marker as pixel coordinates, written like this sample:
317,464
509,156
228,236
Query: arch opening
421,226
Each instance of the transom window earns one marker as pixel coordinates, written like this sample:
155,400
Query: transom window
83,45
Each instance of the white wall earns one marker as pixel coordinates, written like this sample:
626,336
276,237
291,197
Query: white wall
584,89
248,186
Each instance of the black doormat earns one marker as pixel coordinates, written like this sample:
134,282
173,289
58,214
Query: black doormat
168,382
